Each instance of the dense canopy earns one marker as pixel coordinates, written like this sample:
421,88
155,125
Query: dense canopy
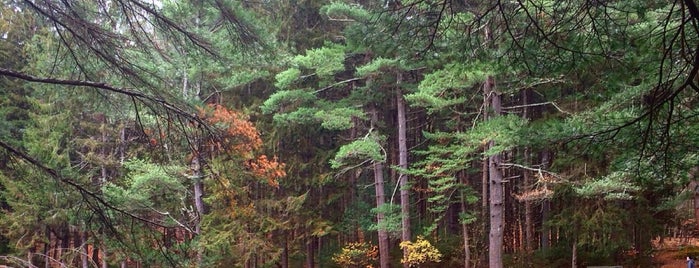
225,133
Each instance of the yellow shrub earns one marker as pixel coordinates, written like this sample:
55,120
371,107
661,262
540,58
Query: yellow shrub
419,252
357,255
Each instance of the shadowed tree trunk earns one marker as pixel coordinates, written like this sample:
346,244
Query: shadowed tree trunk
464,233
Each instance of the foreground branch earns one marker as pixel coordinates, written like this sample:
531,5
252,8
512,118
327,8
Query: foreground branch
98,85
87,195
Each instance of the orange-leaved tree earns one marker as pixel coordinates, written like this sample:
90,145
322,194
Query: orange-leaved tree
237,227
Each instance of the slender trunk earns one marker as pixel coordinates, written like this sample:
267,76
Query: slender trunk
65,245
574,258
403,164
122,144
47,249
30,253
496,188
95,254
528,213
285,253
103,153
485,196
696,205
545,208
83,249
384,257
464,232
310,250
185,81
104,256
198,200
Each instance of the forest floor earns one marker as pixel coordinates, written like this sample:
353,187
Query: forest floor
672,253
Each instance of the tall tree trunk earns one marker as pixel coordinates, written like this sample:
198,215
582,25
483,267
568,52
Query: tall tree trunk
495,236
84,262
528,213
285,253
545,207
198,182
464,232
47,248
310,250
384,257
95,253
403,164
574,258
104,256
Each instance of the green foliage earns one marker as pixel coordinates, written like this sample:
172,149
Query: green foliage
338,118
286,78
285,98
359,151
148,186
377,67
343,11
392,219
325,60
615,186
444,87
301,116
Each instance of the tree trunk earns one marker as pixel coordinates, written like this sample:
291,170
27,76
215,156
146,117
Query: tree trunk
528,213
545,208
84,262
47,248
310,248
285,253
574,258
464,232
496,188
95,253
198,200
403,164
384,257
104,256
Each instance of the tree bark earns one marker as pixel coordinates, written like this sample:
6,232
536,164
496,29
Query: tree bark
403,164
384,257
83,249
198,200
574,258
310,250
528,213
285,253
104,256
496,188
464,232
545,208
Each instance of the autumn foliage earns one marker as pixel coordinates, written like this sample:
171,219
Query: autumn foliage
240,137
238,134
358,254
419,252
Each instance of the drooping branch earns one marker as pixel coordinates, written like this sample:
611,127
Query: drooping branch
92,198
168,106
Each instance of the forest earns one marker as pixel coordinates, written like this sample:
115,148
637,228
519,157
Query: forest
347,133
